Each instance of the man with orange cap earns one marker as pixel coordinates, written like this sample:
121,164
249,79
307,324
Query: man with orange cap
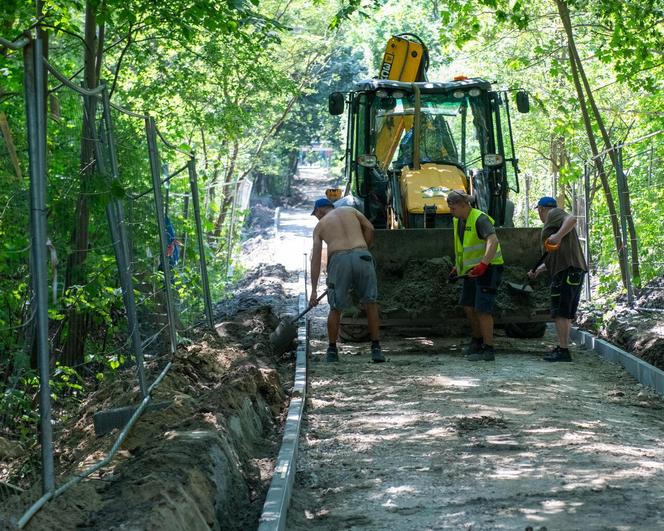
567,266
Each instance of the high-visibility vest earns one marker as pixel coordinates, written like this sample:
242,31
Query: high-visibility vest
470,251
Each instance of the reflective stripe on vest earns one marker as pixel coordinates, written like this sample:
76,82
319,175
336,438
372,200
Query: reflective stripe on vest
470,253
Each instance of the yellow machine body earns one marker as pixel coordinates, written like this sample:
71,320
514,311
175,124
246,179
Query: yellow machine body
401,60
429,186
389,135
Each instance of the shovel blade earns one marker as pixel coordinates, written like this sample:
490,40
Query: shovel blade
523,288
283,336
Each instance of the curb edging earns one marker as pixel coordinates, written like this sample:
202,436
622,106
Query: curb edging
645,373
275,509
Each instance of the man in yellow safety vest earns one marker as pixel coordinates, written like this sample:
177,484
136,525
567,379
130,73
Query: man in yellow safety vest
479,260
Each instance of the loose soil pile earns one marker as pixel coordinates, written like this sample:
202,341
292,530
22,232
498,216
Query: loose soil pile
422,289
639,329
205,460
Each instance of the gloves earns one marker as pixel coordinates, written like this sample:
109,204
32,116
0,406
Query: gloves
453,273
478,270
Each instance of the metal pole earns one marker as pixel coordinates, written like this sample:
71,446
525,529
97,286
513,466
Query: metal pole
416,127
155,167
586,228
229,241
185,236
306,281
207,299
624,254
124,270
116,225
527,209
115,170
35,107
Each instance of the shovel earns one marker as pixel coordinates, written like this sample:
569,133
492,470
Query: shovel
526,287
286,331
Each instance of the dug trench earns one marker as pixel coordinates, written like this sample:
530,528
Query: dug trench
206,460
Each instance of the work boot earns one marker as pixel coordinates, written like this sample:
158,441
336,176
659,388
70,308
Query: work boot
332,354
558,354
377,354
474,345
485,353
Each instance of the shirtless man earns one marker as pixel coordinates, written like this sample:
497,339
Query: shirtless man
348,235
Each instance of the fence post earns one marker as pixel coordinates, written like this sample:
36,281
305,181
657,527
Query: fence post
155,167
624,254
34,83
229,240
586,228
193,183
116,223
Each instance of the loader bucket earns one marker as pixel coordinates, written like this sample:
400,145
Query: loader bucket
413,267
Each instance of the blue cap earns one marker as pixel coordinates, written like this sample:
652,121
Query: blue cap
547,201
321,203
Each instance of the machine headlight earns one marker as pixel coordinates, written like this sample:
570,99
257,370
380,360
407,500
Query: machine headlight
458,94
474,92
492,160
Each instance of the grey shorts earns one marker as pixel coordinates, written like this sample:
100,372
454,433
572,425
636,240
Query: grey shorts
353,269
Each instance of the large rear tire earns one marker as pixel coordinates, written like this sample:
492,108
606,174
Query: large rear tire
525,330
354,333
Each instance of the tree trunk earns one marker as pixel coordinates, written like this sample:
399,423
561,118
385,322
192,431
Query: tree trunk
558,157
228,192
77,329
633,241
614,161
292,169
613,155
566,21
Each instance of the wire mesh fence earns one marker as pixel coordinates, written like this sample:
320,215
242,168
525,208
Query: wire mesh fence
626,247
105,266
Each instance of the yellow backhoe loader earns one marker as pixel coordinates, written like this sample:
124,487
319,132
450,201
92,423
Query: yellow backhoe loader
410,142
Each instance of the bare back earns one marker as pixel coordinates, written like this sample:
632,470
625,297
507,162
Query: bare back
344,228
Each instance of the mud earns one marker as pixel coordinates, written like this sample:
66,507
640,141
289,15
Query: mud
204,462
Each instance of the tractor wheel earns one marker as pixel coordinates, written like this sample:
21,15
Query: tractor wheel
354,333
525,330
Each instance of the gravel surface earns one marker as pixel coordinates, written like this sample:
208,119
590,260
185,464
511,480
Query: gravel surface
429,440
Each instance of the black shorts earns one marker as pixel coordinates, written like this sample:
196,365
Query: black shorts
480,292
566,292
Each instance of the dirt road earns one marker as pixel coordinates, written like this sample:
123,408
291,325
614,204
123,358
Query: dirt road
429,440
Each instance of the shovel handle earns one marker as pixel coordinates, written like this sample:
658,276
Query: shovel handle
299,316
539,262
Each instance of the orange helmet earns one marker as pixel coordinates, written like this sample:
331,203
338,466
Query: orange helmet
551,247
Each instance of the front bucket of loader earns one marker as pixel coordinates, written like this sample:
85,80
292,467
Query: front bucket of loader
413,267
